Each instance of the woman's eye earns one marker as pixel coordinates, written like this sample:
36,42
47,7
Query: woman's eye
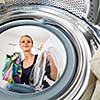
23,41
28,41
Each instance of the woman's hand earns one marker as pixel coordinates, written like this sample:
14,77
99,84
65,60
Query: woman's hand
53,67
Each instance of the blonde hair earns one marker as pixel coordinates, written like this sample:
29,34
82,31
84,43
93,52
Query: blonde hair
26,36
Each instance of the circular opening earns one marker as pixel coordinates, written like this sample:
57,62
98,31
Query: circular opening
51,37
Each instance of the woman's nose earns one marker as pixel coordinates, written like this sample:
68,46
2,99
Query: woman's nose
26,42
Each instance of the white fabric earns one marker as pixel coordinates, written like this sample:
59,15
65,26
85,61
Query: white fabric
56,53
95,67
96,94
95,63
39,67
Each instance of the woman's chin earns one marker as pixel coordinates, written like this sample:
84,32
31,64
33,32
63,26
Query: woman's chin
26,50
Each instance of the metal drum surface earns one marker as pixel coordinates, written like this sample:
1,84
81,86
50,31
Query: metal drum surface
73,34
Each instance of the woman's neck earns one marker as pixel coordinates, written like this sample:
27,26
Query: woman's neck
28,55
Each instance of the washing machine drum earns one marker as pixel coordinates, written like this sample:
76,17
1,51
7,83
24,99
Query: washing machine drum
72,52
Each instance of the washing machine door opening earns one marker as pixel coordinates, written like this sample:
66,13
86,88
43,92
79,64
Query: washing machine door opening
58,34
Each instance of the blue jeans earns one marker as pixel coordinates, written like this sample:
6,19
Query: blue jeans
20,88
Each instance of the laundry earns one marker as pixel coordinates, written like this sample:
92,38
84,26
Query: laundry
37,73
95,67
12,68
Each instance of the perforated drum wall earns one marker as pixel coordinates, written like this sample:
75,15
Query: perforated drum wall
74,6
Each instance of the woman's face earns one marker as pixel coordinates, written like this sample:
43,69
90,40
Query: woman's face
26,44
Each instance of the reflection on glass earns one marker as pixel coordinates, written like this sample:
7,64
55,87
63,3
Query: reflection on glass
32,59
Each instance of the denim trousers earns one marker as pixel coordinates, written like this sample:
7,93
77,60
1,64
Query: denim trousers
20,88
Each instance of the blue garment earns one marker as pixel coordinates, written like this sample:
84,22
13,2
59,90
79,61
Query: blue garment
19,88
26,72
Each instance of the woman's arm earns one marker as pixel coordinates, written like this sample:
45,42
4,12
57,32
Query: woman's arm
53,68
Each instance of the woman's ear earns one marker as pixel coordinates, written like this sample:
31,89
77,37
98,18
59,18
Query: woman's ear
32,45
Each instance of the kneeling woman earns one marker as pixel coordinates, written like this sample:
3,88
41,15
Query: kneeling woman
26,44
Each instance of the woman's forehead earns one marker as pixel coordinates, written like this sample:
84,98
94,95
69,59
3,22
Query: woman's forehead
25,37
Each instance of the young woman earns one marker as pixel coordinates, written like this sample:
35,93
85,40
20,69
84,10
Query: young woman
26,43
